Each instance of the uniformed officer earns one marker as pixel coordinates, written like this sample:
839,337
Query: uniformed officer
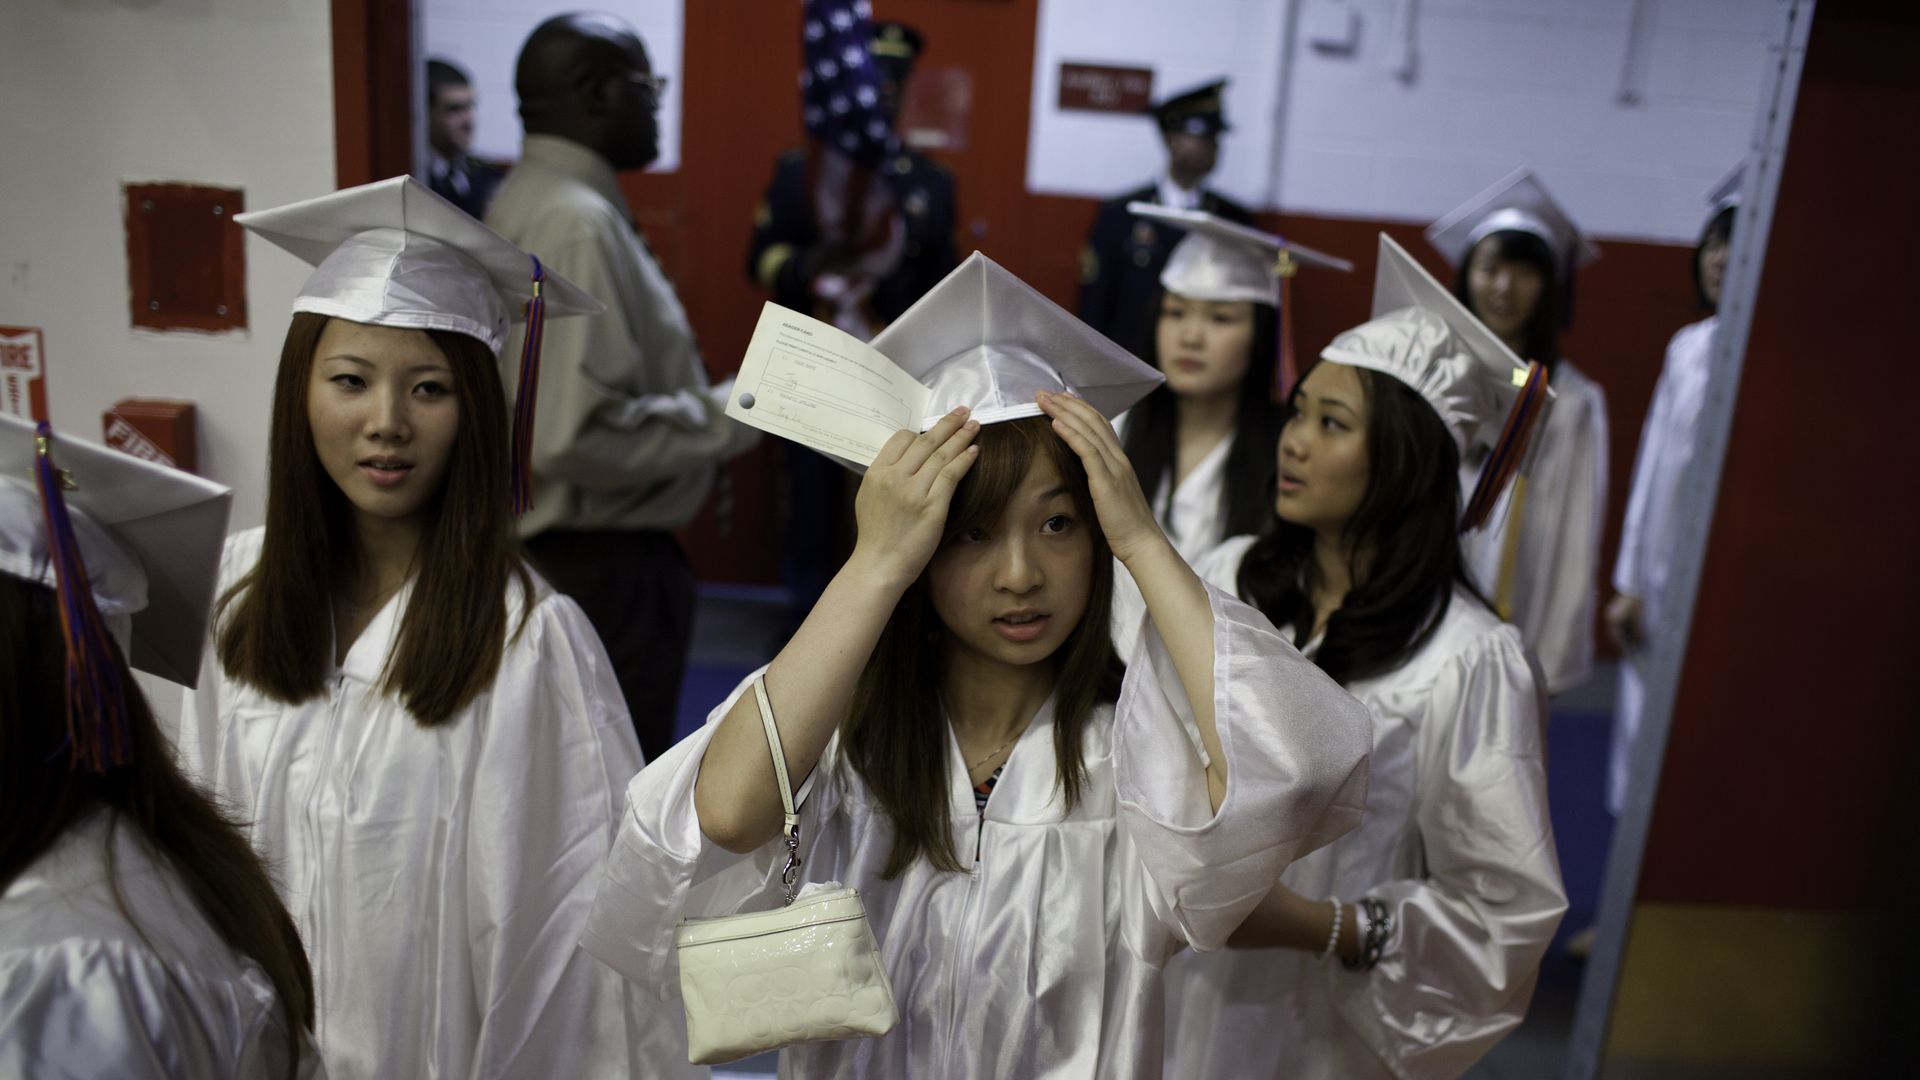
1124,254
793,261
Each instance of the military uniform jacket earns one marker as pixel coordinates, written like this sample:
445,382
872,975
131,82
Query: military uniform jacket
784,229
1121,263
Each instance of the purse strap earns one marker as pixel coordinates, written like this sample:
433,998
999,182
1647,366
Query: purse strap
790,873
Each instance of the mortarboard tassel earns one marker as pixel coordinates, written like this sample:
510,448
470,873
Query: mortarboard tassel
521,449
96,693
1511,448
1284,373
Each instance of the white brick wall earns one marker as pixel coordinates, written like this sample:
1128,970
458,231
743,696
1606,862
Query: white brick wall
1497,84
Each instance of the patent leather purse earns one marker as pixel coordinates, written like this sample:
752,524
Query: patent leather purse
808,971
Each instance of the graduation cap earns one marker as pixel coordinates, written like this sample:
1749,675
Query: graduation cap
1725,191
1221,260
393,253
123,543
1520,203
1198,111
1224,260
987,340
1423,336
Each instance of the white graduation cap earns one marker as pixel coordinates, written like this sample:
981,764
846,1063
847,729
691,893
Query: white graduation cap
1520,203
146,538
1423,336
1725,191
393,253
1221,260
987,340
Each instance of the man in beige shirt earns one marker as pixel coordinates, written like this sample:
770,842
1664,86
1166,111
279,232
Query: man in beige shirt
629,435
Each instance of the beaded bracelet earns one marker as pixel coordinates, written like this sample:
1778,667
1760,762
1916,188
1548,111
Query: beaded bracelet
1333,936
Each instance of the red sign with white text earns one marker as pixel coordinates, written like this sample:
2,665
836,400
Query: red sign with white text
23,371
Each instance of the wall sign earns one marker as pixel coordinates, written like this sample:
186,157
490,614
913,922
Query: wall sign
1099,88
23,370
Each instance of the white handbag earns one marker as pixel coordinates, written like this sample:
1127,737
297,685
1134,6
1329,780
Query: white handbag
808,971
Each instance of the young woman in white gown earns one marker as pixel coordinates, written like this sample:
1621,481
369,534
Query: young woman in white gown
1198,442
423,736
1033,832
139,934
1639,613
1409,946
1515,251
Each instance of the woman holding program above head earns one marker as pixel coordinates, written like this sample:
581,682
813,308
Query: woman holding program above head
1410,946
1202,442
1538,560
139,935
1033,831
425,738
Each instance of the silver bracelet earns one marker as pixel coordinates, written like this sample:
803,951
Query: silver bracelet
1333,936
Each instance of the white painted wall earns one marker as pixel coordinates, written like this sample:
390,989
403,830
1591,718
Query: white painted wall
484,37
1496,84
237,93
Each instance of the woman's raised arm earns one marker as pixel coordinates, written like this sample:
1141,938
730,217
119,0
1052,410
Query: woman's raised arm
901,515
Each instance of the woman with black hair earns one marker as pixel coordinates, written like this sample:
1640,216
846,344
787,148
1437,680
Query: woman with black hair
1638,612
139,934
1410,946
1516,251
1201,442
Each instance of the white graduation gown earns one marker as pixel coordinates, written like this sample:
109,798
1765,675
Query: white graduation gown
1556,573
1045,960
1455,840
1669,443
85,993
441,876
1190,513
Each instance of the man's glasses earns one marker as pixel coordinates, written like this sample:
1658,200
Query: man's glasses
655,84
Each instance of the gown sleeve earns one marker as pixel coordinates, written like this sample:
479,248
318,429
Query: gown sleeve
1296,747
1627,567
1559,624
558,744
663,868
74,1010
1469,933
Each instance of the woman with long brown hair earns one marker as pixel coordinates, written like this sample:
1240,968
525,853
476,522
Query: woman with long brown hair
423,735
139,934
1032,831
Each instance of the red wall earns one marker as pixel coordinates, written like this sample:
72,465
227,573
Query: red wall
1796,706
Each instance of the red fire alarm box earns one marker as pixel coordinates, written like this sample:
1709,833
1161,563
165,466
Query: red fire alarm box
158,431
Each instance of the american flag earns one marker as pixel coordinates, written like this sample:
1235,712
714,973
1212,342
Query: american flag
839,85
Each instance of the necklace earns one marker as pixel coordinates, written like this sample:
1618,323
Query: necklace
989,755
